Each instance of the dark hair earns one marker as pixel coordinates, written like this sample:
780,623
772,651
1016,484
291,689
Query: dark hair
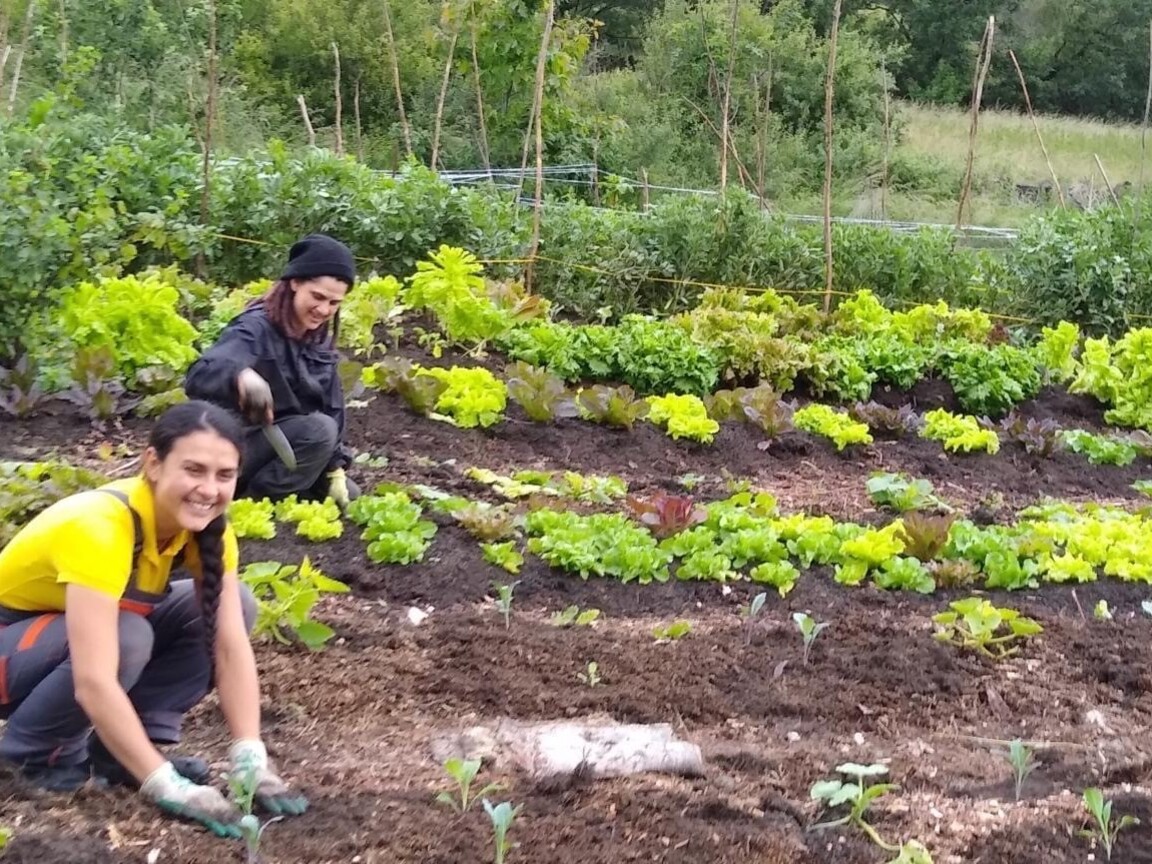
179,422
278,306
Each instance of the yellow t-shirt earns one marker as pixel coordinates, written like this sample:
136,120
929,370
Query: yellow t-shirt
88,539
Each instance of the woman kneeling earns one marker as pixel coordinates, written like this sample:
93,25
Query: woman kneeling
95,636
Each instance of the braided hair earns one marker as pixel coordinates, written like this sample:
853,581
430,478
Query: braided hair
176,423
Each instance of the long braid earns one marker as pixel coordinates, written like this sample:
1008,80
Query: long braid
210,544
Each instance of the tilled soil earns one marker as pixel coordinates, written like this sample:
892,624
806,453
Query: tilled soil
353,725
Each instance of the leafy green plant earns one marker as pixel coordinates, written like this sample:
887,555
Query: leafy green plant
673,632
1056,351
393,527
809,630
959,433
251,829
95,387
834,425
396,374
286,595
504,555
925,535
486,522
450,284
504,600
990,379
684,416
656,356
502,816
900,493
886,422
976,624
904,574
665,515
6,835
603,544
857,794
463,772
1101,612
751,613
315,520
1101,449
472,396
1105,829
612,406
539,392
782,575
374,302
591,674
572,616
252,519
1023,762
20,392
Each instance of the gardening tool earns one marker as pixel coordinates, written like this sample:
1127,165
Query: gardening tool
256,403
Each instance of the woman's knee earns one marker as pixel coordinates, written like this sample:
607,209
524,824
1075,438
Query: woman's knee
137,640
248,606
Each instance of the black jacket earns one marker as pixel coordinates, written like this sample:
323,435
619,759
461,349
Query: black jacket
304,378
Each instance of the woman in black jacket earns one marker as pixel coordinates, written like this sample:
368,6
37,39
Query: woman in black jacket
276,365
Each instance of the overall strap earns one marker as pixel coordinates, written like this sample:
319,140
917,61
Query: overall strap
133,600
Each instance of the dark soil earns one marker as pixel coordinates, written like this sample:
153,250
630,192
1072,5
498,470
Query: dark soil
353,725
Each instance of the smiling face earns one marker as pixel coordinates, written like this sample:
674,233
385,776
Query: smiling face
194,484
315,301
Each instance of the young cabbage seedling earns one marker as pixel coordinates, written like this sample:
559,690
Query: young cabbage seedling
591,675
912,852
809,629
1105,829
504,601
1023,763
6,835
835,793
244,794
501,815
464,772
750,612
1101,612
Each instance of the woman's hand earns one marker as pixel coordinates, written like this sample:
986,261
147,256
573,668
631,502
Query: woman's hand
170,791
252,771
255,398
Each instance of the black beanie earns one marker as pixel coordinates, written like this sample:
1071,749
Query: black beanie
320,255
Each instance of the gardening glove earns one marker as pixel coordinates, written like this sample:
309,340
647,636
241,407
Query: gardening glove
338,488
255,398
250,769
171,791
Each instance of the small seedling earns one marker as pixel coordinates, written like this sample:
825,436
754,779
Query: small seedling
835,793
464,772
573,616
912,852
750,612
591,675
502,816
809,629
504,601
1105,830
1101,612
6,835
251,830
976,624
1023,763
671,632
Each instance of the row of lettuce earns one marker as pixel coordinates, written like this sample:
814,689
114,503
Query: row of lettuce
122,344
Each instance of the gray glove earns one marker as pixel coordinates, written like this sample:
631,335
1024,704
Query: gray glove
255,398
176,794
252,771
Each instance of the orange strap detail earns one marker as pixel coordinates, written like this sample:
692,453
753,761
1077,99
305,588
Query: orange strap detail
33,632
137,607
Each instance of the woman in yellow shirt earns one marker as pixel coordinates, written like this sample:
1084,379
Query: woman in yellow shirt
95,637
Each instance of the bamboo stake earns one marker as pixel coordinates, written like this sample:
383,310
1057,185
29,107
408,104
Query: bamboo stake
829,92
538,111
744,175
725,119
887,142
443,96
644,189
209,123
339,104
356,112
1144,131
63,33
307,120
25,37
762,136
1107,182
480,96
983,61
5,46
395,63
1036,126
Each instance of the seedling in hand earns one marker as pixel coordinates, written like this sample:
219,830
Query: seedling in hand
591,675
504,601
251,830
1023,763
464,772
1105,829
809,629
501,815
835,793
750,612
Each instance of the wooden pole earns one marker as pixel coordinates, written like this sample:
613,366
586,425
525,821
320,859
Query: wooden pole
443,95
25,38
479,96
644,189
339,104
1144,132
887,142
1036,127
725,115
359,128
1107,182
395,63
63,33
209,123
829,92
538,111
307,120
983,61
